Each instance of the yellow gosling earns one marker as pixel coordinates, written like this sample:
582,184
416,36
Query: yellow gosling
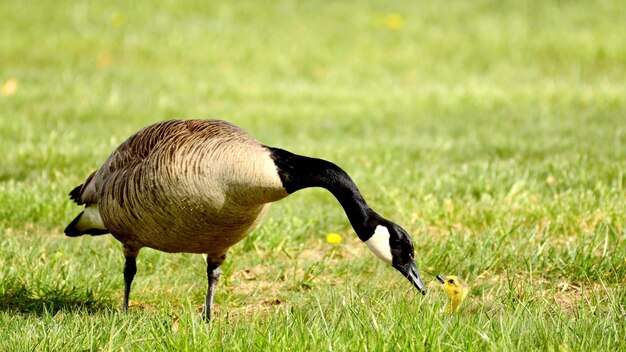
456,289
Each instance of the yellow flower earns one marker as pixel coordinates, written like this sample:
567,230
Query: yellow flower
393,21
9,88
333,238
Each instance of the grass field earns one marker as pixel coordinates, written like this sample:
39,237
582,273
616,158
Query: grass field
493,132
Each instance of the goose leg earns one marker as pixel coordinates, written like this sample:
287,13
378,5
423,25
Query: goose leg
213,270
130,269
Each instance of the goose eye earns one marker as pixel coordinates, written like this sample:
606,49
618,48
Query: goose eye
451,282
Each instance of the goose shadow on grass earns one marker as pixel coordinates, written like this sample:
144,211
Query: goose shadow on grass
20,298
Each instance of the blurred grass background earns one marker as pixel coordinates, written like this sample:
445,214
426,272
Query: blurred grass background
492,131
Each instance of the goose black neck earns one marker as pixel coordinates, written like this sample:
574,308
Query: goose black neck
298,172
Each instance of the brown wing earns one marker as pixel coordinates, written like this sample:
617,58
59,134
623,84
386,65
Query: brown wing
143,143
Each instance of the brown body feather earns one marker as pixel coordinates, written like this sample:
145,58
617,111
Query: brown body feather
196,186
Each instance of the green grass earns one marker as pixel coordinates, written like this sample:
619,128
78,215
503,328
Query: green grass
493,132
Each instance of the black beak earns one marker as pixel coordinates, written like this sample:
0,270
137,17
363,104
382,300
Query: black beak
441,279
410,272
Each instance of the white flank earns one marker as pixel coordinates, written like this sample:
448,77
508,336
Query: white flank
90,219
379,244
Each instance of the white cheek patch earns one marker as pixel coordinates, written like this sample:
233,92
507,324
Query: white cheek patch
379,244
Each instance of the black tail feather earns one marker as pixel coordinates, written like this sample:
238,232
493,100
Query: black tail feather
71,230
75,194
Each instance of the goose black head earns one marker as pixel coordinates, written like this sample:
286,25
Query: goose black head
393,245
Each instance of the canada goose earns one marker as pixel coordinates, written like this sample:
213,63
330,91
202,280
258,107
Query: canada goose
456,290
200,186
